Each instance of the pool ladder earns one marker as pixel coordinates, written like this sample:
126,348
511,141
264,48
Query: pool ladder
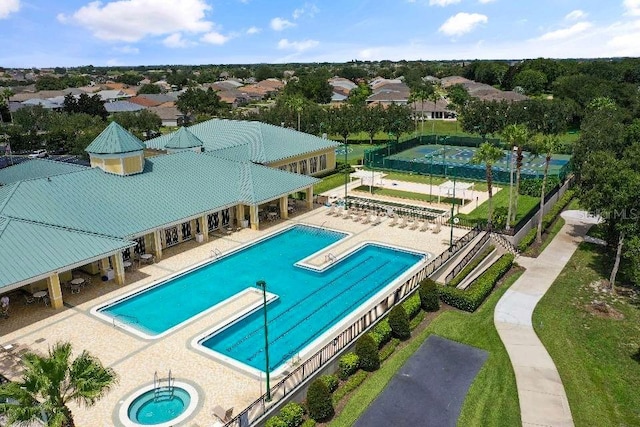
158,391
215,253
330,258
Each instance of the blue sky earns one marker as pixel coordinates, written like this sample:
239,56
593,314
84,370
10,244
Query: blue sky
44,33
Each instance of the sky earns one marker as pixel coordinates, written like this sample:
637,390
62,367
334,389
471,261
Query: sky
47,33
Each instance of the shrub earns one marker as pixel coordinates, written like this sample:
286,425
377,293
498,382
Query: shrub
470,267
308,423
470,299
399,322
499,217
331,381
291,414
428,294
347,365
349,385
412,305
319,401
532,187
367,351
389,349
381,333
547,220
275,421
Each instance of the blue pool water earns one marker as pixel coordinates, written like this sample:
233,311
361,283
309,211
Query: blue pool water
153,408
309,302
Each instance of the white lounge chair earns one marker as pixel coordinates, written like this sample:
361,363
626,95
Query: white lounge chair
346,214
436,228
403,223
425,226
376,220
221,414
414,224
365,219
394,221
332,210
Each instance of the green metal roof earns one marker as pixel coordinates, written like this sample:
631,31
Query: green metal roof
172,187
113,140
36,168
30,250
250,141
183,139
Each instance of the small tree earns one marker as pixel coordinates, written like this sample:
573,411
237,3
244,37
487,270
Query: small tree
488,154
399,322
429,295
367,351
319,401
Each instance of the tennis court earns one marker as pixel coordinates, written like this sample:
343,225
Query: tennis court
459,156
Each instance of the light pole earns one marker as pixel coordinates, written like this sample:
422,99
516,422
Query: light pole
511,159
346,170
453,203
263,285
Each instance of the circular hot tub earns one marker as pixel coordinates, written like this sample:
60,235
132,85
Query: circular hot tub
159,406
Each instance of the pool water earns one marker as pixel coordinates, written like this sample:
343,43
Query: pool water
153,407
310,302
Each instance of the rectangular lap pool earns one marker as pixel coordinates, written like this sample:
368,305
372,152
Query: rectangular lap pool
309,302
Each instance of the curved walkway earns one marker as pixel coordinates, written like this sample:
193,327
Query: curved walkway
543,401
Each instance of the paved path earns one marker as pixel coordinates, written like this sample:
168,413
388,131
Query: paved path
429,389
543,401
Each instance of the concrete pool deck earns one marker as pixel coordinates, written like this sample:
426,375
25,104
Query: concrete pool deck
136,360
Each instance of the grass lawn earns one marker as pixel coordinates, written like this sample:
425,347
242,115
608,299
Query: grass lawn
593,352
426,179
355,153
328,183
492,399
501,199
400,194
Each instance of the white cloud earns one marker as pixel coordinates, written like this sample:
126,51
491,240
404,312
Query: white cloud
485,1
7,7
132,20
566,33
299,46
175,40
309,9
443,3
253,30
131,50
462,23
114,62
279,24
215,37
632,7
575,15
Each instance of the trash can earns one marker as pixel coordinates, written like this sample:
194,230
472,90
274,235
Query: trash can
244,223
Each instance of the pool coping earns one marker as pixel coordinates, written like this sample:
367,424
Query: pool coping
330,333
97,310
123,409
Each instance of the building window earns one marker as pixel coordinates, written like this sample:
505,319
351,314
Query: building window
323,162
213,221
225,217
293,167
186,230
313,164
303,167
140,247
171,236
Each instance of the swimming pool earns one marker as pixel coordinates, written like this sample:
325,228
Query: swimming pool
310,302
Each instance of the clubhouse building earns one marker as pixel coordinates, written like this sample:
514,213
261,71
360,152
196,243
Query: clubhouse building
217,175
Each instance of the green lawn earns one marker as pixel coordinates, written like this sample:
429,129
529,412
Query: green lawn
355,153
593,354
501,199
328,183
426,179
492,399
400,194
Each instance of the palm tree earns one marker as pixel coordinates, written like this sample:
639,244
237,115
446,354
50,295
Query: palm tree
515,136
436,94
421,93
296,104
50,382
547,144
5,94
489,155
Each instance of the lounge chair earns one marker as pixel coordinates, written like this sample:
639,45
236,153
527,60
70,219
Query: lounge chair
403,223
376,220
346,214
221,414
425,226
436,228
414,225
393,222
332,210
366,219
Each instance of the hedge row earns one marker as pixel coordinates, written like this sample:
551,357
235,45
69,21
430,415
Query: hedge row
351,384
291,415
547,220
470,267
470,299
531,187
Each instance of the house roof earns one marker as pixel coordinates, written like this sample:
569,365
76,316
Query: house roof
183,139
442,105
56,249
114,139
250,141
122,106
166,113
36,168
145,101
93,201
107,95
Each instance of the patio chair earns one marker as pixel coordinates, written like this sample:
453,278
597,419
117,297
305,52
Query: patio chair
366,219
28,298
415,224
221,414
332,210
393,222
436,228
376,220
425,226
403,223
346,214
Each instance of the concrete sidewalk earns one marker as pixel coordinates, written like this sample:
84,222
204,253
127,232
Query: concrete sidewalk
543,401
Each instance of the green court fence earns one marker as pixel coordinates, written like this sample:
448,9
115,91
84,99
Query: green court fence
379,158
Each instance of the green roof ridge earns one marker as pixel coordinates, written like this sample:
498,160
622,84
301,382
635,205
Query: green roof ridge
115,139
183,138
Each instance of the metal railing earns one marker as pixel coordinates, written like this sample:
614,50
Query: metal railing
303,371
468,257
